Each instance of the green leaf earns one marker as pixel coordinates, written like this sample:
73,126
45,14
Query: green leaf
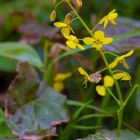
1,116
5,133
36,108
67,131
110,135
20,52
10,64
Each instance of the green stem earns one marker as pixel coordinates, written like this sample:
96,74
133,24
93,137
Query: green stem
102,70
120,115
130,94
81,20
78,104
120,119
111,73
95,27
58,4
110,92
111,54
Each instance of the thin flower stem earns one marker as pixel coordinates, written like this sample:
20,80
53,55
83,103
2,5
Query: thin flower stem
130,94
110,92
58,4
102,70
73,19
120,119
111,54
81,20
95,27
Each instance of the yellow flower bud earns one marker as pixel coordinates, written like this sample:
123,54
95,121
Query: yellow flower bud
53,15
58,86
68,18
53,1
79,3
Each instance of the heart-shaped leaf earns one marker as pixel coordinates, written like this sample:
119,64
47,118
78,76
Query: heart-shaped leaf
33,109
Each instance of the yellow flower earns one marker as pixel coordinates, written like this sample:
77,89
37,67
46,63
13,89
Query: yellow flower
65,28
101,90
62,76
122,76
58,81
109,18
58,86
97,40
121,59
108,82
86,76
95,77
73,43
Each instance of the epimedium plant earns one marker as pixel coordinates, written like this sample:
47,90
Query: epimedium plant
33,109
97,41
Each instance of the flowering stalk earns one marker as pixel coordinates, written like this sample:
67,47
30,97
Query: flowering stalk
97,40
120,114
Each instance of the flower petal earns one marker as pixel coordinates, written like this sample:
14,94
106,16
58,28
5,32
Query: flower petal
71,44
97,46
80,47
113,64
62,76
112,16
105,23
101,90
122,76
82,71
58,86
129,53
99,35
65,31
102,20
125,64
113,11
107,40
88,40
60,24
108,81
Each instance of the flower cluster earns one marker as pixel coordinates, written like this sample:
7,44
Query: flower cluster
97,40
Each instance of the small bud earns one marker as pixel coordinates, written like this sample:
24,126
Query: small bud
79,3
53,15
53,1
68,18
